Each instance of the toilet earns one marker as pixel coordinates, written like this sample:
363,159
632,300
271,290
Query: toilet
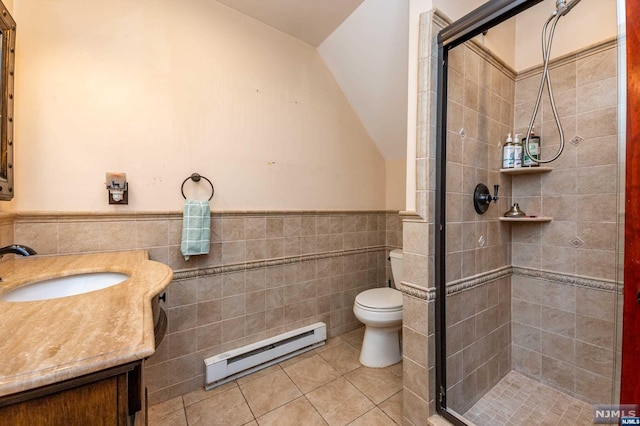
380,310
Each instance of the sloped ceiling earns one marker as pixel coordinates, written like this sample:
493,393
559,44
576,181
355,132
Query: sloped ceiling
365,45
308,20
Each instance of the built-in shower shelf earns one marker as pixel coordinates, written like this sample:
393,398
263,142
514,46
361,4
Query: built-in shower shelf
525,170
526,219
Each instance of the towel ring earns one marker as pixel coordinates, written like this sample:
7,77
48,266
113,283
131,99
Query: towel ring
196,178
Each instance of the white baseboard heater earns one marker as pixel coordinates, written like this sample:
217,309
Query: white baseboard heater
228,366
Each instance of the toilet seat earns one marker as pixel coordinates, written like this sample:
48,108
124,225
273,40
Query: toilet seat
383,299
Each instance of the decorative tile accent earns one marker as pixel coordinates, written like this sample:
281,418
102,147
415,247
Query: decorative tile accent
258,264
462,134
576,242
576,140
477,280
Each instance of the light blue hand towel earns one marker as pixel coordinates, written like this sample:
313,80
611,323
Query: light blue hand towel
196,228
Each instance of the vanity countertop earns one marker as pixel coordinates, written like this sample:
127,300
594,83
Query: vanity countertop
49,341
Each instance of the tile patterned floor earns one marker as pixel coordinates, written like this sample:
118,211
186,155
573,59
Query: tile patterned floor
519,400
326,386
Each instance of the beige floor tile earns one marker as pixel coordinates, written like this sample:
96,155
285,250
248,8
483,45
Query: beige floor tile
176,418
331,343
202,394
311,373
393,407
274,395
295,413
357,334
396,369
377,384
373,417
166,407
297,359
339,402
258,374
344,358
224,409
357,345
354,338
269,392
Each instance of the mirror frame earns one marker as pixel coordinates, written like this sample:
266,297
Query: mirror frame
8,28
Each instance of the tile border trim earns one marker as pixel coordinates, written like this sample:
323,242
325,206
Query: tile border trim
485,277
43,216
581,53
428,294
477,280
575,280
257,264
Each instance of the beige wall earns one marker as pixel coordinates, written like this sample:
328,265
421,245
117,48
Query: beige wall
588,23
396,170
163,89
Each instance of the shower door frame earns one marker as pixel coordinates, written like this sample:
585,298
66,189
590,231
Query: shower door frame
476,22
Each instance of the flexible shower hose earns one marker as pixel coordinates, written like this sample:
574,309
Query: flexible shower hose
546,53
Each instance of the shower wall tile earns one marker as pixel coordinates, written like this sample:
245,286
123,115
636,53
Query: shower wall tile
478,337
593,387
558,321
476,244
576,330
558,374
599,66
598,151
598,123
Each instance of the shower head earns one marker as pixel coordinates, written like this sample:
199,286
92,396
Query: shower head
563,7
560,5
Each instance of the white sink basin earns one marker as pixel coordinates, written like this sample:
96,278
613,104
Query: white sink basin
64,286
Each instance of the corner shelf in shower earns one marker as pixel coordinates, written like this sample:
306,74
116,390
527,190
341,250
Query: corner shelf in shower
537,219
525,170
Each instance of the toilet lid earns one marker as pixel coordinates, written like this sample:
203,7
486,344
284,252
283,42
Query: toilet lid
380,298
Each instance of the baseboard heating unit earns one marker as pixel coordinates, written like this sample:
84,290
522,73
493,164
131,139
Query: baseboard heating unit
239,362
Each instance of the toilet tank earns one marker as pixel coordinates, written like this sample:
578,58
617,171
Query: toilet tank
396,265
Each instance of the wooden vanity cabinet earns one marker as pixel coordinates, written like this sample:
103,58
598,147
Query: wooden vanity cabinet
109,397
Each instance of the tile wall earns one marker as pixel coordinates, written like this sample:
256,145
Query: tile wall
580,193
480,112
563,321
576,252
267,273
418,301
564,336
478,341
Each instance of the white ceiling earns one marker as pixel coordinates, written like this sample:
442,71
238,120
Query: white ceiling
365,45
311,21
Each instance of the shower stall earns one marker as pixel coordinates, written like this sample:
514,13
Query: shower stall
527,309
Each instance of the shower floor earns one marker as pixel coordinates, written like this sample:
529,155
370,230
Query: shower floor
519,400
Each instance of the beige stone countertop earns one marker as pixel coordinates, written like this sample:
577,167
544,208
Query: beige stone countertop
48,341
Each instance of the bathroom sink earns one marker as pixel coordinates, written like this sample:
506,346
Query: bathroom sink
71,285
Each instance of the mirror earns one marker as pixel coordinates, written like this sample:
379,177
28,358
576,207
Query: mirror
7,64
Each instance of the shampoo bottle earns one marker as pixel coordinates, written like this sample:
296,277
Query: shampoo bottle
517,152
507,153
534,150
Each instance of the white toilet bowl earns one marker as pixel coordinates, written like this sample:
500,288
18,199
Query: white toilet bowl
380,310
